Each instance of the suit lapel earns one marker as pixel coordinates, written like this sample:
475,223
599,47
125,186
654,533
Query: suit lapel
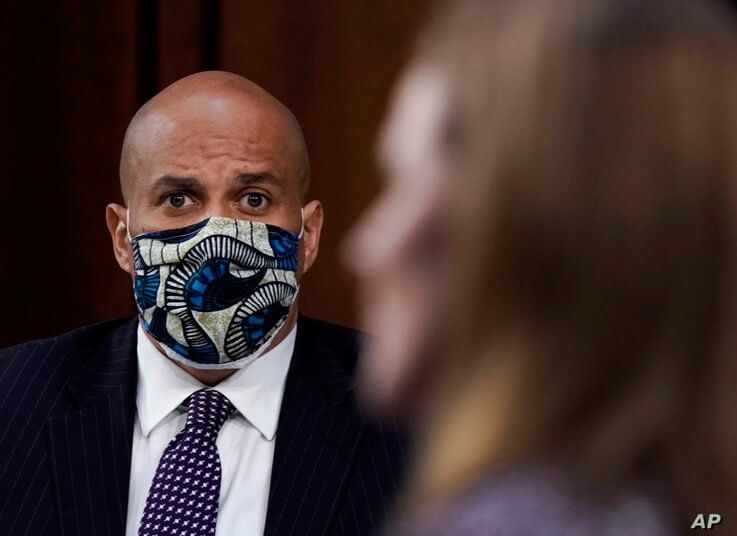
90,446
318,435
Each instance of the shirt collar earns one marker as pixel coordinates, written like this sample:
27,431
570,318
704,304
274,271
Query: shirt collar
256,390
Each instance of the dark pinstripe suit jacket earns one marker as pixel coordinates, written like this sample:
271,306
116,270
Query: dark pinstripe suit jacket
67,408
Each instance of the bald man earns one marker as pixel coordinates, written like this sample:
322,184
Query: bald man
218,409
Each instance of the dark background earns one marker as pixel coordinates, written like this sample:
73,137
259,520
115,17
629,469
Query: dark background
73,74
75,71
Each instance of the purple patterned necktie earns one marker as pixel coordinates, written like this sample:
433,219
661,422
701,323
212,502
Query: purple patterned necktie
183,499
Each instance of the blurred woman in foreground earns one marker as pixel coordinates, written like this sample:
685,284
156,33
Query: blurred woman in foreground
550,271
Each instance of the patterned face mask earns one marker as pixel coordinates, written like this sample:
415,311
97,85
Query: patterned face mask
215,293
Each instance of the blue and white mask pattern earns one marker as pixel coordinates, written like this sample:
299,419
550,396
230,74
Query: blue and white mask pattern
214,294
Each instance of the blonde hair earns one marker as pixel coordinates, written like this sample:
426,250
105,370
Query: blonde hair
594,321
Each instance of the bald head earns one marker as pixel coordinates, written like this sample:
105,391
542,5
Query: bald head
217,117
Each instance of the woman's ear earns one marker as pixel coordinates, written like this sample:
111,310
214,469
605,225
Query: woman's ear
115,215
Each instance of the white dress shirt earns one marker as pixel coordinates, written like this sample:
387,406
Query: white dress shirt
245,442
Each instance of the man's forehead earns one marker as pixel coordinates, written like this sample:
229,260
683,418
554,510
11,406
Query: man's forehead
194,121
211,160
195,138
247,140
211,118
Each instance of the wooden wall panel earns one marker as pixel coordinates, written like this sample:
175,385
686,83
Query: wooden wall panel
187,39
98,95
69,87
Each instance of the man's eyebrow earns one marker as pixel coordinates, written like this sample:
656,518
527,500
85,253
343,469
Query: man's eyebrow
169,182
248,179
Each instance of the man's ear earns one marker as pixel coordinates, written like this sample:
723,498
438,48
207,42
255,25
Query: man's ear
313,228
115,215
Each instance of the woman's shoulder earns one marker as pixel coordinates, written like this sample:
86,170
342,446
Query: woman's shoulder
534,501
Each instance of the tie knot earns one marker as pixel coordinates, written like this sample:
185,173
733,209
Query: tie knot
208,409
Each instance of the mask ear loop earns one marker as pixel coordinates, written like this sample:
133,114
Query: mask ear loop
302,228
127,224
299,237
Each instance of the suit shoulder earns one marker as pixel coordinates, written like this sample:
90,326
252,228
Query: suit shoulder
341,341
85,337
329,329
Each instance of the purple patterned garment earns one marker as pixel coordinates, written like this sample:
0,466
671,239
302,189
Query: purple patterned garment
183,499
538,501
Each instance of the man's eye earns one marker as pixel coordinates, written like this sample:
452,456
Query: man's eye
177,200
255,200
